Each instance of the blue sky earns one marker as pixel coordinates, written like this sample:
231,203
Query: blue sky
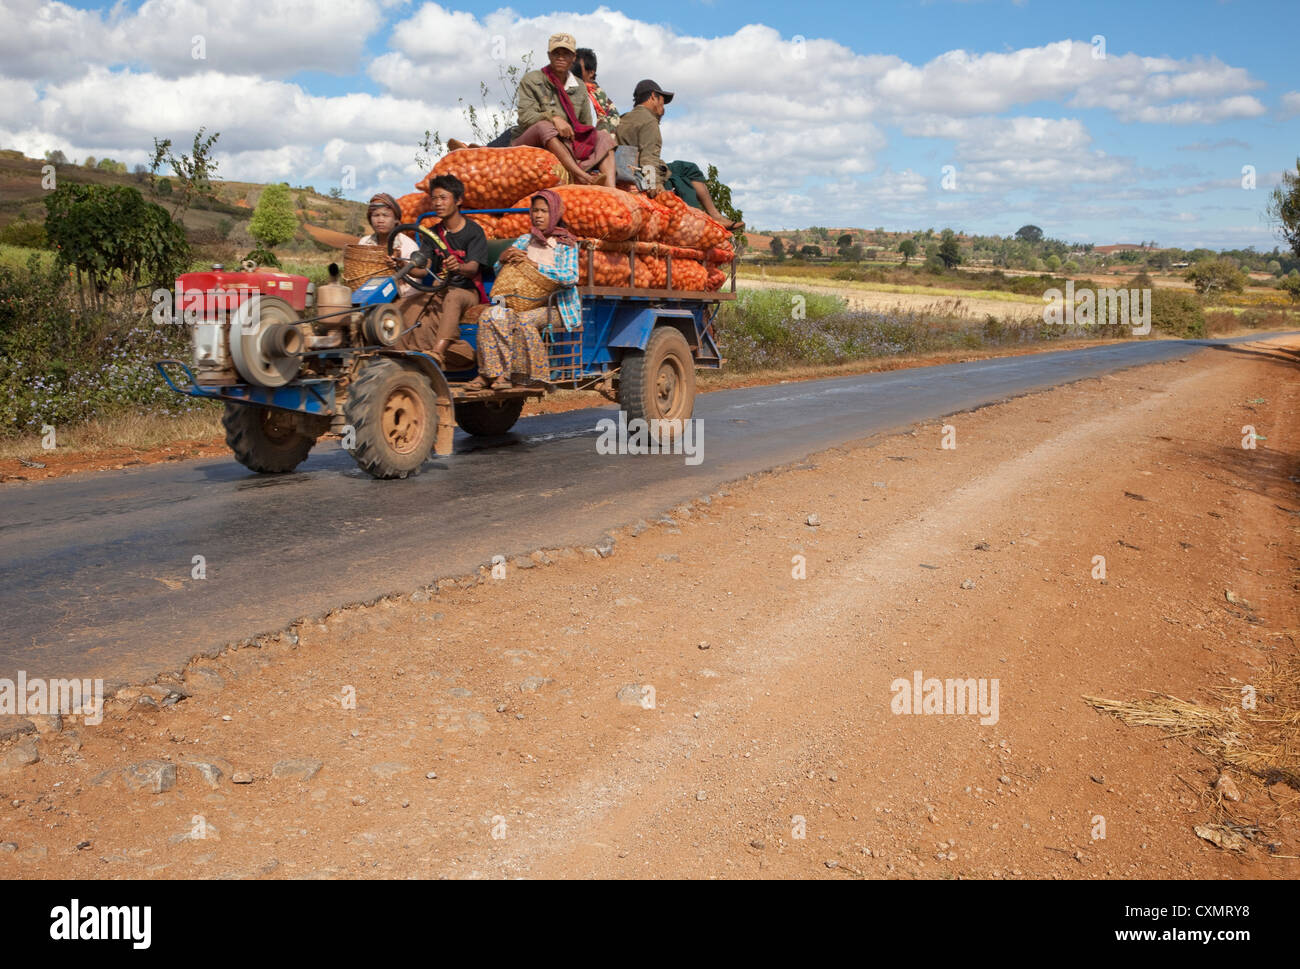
1103,122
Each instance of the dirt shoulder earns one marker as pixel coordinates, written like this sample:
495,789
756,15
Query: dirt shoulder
689,706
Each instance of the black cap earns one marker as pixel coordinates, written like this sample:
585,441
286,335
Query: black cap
649,87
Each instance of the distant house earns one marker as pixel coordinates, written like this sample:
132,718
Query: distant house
1122,247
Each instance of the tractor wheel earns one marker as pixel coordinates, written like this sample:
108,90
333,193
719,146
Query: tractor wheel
488,418
658,383
393,413
265,440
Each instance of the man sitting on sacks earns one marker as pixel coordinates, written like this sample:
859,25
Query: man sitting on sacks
555,114
458,248
640,129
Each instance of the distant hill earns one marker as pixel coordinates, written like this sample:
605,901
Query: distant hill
214,223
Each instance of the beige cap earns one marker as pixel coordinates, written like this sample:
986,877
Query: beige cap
561,40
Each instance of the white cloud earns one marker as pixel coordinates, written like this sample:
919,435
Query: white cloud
1289,106
39,39
800,130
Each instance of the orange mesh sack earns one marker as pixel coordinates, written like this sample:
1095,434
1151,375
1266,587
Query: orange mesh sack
654,218
491,225
611,268
719,254
651,273
495,177
413,205
716,279
691,275
516,225
596,212
689,227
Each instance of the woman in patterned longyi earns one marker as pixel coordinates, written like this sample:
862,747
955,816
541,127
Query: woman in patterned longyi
511,351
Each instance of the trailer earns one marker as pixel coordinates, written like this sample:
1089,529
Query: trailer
291,367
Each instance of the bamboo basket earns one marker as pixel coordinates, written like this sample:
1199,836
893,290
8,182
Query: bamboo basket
523,287
362,263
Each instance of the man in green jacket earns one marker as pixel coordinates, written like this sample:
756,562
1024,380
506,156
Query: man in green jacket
640,129
555,114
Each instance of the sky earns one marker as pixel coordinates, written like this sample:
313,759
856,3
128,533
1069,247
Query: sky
1101,122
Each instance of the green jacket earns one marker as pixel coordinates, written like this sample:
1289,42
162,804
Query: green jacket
538,101
640,129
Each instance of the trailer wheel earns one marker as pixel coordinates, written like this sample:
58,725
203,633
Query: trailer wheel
392,411
658,383
488,418
266,440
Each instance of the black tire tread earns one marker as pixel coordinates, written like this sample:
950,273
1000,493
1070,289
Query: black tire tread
368,453
251,447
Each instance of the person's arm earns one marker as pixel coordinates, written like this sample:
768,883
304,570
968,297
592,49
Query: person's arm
533,100
476,252
652,144
581,103
519,245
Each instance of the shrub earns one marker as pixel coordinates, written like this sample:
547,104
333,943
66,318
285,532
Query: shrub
1178,314
1216,275
114,238
30,235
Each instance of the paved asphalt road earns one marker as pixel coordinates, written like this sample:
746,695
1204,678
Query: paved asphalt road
95,568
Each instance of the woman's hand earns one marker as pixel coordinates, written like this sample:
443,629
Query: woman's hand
562,127
512,255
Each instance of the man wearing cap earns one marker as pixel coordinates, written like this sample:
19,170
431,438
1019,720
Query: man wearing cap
555,114
640,129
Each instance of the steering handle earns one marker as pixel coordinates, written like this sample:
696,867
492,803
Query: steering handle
414,262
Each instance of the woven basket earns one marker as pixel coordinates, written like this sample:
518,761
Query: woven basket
523,287
361,263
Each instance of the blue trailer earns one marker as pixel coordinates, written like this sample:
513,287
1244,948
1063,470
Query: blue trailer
292,364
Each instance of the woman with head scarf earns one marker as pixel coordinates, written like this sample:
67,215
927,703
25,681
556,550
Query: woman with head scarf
510,345
384,214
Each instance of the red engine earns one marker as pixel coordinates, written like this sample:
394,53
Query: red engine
204,295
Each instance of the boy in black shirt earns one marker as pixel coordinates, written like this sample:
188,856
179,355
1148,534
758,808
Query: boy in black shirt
458,248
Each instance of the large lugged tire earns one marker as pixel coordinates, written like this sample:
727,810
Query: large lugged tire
266,440
659,382
393,414
488,418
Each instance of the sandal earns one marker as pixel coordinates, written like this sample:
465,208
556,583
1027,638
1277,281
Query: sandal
478,383
501,383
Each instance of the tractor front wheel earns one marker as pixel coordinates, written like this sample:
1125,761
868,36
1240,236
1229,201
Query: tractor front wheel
266,440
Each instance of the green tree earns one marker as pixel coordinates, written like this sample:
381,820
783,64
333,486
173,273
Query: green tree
1071,266
1216,276
89,162
1284,208
194,171
810,252
778,248
949,251
844,241
274,222
1274,267
908,248
56,157
1029,233
1053,263
114,239
720,192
